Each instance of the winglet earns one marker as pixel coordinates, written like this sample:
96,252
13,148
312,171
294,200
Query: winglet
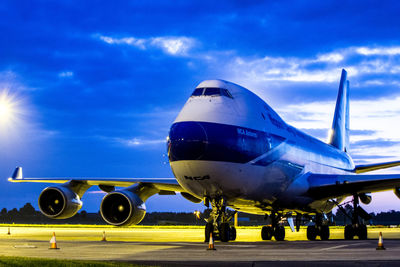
17,175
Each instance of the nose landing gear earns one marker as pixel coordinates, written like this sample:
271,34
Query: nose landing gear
218,222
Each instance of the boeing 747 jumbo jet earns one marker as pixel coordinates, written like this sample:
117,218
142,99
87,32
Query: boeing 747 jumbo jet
228,148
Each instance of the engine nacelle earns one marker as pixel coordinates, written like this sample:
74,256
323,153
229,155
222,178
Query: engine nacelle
397,192
122,208
59,202
365,198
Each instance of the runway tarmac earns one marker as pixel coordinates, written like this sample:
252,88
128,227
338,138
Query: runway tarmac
134,246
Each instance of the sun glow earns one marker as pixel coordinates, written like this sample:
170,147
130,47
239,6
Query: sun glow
5,110
8,110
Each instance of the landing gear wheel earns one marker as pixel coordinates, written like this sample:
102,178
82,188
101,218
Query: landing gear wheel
267,233
311,232
324,232
232,233
349,232
362,232
208,229
279,233
224,232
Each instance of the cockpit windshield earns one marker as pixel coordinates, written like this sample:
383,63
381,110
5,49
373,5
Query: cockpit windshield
211,91
198,92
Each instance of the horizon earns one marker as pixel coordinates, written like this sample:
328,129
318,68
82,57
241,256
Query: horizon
93,89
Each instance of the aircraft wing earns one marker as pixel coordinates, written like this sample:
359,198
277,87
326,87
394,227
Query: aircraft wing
323,186
375,166
163,184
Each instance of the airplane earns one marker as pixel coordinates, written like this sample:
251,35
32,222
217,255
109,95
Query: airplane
229,149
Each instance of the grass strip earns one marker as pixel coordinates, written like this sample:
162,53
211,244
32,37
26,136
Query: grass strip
42,262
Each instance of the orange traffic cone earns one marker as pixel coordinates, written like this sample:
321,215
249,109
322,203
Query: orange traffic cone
53,242
211,243
104,236
9,233
380,243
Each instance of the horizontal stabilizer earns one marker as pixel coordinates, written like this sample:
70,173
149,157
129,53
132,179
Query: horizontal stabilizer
323,186
376,166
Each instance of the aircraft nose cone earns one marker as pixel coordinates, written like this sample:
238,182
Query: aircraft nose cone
187,141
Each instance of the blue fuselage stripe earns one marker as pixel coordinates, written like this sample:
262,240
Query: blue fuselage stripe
219,142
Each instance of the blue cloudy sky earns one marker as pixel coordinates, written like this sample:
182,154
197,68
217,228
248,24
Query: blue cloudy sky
95,85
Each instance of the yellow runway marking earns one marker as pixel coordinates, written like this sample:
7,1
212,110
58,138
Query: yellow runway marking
162,234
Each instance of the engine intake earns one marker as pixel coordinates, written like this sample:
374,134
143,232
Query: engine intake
397,192
365,198
122,208
59,202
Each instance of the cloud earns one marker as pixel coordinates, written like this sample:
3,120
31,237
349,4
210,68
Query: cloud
365,65
375,143
134,142
10,80
172,45
381,51
330,57
371,123
142,142
139,43
66,74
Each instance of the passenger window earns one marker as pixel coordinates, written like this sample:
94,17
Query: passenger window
198,92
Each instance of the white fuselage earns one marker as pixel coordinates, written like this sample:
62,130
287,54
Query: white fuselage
234,145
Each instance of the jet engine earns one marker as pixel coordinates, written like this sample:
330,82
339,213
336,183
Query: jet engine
122,208
59,202
397,192
365,198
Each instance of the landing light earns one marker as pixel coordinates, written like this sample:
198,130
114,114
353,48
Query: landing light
120,208
197,214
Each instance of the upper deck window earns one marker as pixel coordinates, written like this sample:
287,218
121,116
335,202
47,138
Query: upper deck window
211,92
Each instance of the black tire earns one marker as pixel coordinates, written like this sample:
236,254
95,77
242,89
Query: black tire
266,233
224,232
279,233
208,229
311,232
362,232
324,232
349,232
232,233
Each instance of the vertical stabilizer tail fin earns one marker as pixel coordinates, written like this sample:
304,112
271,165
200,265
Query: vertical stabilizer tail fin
339,133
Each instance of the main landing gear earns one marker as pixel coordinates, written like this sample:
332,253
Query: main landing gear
357,227
274,230
320,229
218,223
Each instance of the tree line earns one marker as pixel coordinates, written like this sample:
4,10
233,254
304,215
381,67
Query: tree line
28,215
